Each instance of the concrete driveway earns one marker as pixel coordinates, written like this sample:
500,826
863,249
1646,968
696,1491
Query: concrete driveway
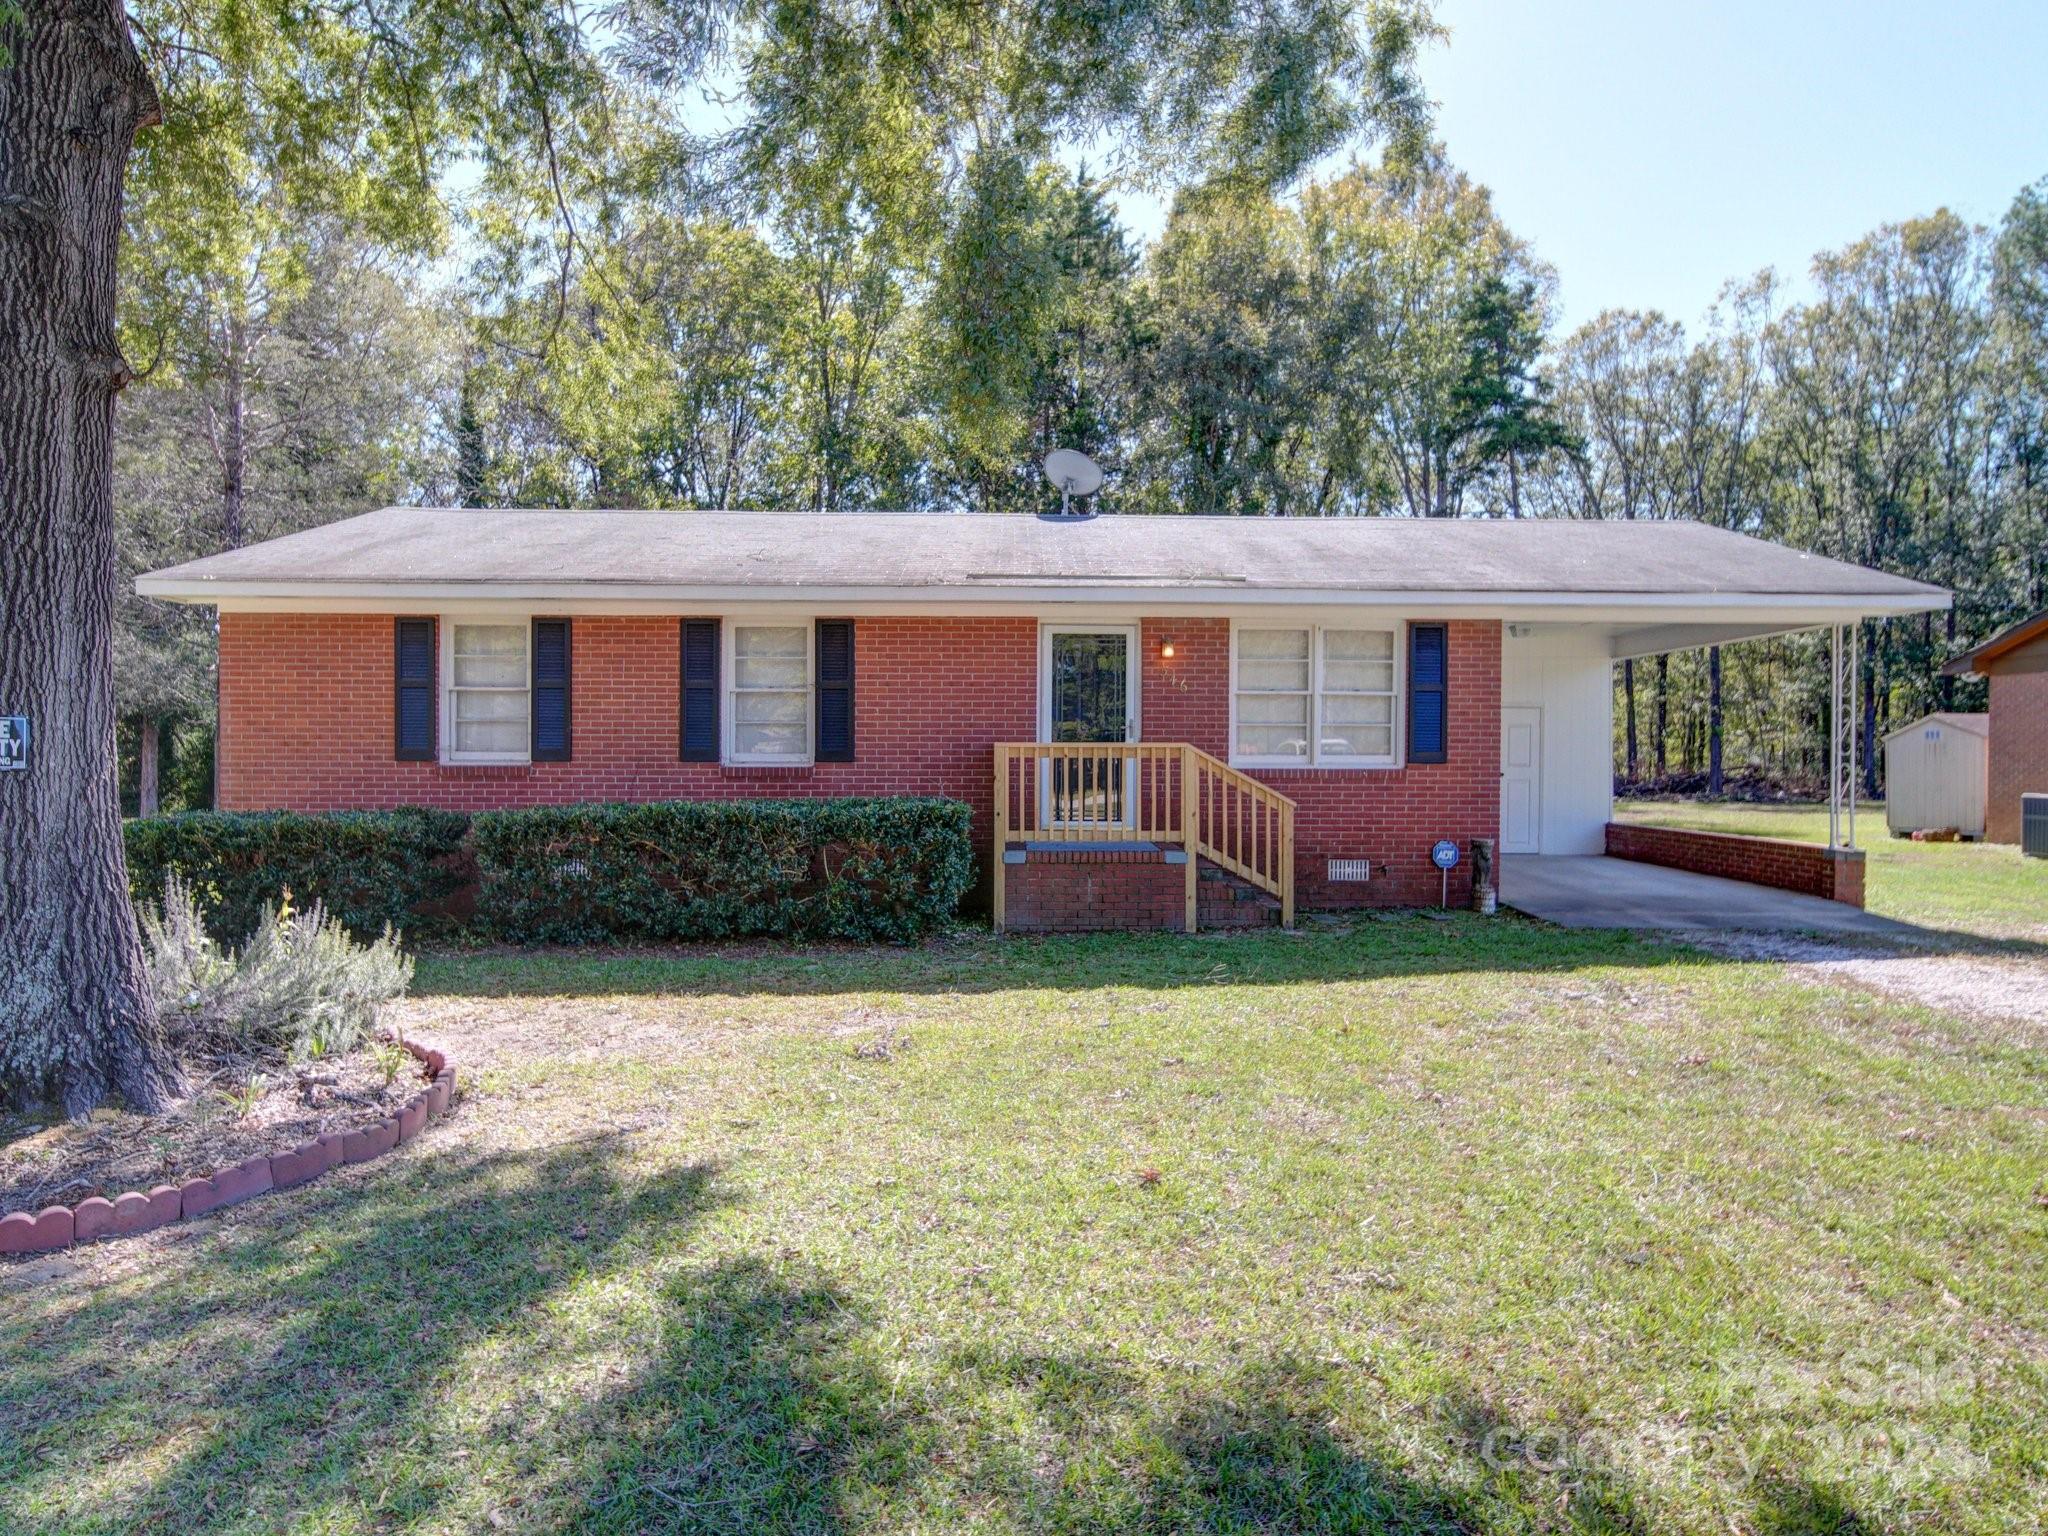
1598,892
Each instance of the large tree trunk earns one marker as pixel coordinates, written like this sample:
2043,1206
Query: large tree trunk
1628,691
1664,716
1713,720
234,433
147,740
80,1023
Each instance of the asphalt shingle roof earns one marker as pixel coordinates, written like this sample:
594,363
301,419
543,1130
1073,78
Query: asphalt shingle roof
790,553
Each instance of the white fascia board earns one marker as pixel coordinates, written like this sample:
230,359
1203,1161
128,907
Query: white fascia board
1771,611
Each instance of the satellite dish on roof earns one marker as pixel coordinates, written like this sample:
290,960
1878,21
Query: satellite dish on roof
1074,473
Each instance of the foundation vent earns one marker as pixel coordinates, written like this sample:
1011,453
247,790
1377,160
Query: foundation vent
1350,871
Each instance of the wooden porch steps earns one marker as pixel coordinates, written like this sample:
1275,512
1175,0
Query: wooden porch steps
1238,830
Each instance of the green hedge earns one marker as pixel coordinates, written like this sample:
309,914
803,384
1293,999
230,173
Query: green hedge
868,869
369,868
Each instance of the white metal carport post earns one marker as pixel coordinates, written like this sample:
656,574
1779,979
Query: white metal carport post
1843,729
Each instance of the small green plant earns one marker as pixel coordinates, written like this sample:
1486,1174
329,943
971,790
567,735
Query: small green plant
244,1099
390,1058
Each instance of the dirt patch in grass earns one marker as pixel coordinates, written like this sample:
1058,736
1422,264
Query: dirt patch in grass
45,1161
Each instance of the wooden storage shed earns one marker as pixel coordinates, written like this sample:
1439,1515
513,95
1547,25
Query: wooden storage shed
1935,772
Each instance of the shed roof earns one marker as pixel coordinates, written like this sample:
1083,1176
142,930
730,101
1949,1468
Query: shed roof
1975,725
420,552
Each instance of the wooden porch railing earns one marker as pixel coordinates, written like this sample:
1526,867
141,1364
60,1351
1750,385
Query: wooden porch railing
1145,791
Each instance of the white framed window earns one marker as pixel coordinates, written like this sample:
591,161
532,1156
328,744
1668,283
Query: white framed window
488,704
1315,695
769,692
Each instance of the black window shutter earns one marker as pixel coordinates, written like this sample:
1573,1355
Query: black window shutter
1428,701
700,691
551,690
413,654
835,691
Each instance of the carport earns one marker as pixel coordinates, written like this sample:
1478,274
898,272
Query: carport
1593,891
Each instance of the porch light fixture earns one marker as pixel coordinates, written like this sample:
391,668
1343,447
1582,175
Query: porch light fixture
1166,649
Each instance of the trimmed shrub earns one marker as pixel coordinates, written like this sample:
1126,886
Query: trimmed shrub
886,868
370,870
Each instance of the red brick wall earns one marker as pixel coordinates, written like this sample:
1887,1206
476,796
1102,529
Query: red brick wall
1094,892
306,718
306,724
1813,870
2019,750
1389,816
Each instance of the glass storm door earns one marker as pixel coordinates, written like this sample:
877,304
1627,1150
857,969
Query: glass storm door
1086,696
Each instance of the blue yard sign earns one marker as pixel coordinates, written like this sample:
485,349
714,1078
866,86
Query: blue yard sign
13,742
1444,855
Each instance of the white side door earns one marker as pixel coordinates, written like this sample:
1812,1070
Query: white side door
1521,779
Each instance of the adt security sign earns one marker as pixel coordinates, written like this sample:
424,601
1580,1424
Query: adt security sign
1444,855
13,742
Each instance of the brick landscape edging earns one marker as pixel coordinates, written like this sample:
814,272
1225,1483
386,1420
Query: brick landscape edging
59,1226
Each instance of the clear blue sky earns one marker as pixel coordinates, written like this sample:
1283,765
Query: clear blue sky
1652,149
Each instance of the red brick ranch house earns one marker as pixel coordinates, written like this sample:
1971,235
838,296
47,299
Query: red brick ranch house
1294,709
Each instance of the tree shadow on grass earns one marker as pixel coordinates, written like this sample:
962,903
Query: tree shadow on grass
298,1357
769,1410
524,1341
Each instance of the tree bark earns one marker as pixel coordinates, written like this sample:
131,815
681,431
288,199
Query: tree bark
79,1022
1628,689
1713,720
234,450
1664,715
146,743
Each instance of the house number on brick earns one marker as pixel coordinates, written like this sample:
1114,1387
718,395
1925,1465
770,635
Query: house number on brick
13,742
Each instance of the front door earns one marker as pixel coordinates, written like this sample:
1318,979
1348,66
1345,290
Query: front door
1087,690
1521,781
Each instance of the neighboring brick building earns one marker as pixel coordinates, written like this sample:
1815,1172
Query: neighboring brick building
2016,662
1311,705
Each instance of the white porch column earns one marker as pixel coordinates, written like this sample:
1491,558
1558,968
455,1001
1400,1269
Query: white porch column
1844,734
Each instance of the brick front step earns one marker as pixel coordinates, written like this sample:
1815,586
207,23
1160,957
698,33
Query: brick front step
1223,900
1124,889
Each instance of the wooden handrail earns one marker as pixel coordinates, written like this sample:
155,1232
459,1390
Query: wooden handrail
1145,791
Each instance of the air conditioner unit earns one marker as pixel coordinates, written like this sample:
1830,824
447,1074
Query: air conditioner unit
2034,825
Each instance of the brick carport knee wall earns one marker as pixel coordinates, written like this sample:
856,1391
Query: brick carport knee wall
1807,868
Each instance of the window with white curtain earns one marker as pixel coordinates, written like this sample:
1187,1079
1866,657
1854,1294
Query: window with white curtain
1315,695
489,709
771,693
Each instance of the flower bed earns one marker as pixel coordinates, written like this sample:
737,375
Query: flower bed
59,1226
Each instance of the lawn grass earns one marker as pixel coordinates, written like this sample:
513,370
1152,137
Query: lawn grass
1983,889
1419,1225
